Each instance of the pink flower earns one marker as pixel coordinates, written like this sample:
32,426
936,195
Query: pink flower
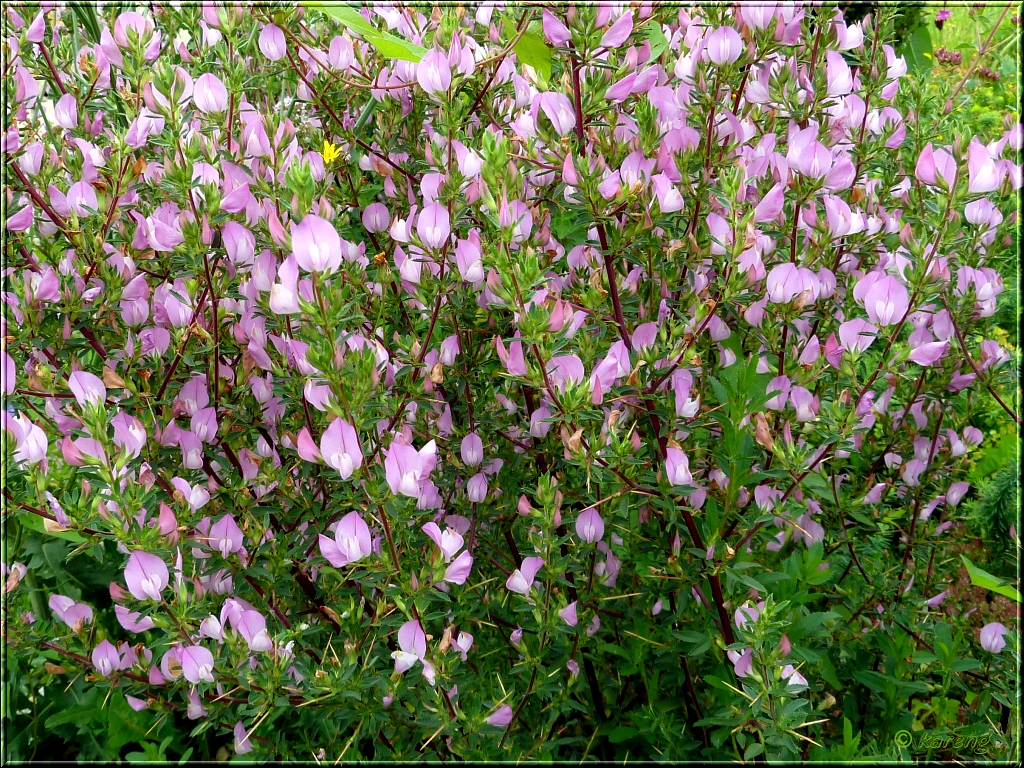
412,642
105,658
226,536
434,225
284,294
197,664
558,109
618,32
252,626
209,94
554,30
351,541
132,621
724,46
857,335
981,170
590,526
886,301
243,744
501,717
340,448
476,488
66,111
677,467
69,611
991,637
272,43
568,614
459,570
87,388
433,73
742,662
405,467
449,542
795,679
316,245
929,353
146,575
747,612
472,449
376,218
522,578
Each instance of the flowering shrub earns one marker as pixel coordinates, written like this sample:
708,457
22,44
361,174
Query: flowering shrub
492,382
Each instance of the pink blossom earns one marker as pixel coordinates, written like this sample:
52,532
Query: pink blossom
992,637
146,575
340,448
590,526
197,664
351,542
522,578
316,245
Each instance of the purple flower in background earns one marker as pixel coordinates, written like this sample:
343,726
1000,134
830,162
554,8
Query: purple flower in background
501,717
992,637
351,542
568,614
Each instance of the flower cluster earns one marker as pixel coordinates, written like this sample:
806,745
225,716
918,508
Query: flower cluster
529,347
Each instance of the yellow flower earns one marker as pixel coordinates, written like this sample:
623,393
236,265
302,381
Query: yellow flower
331,152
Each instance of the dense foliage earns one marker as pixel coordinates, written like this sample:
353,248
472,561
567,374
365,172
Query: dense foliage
497,382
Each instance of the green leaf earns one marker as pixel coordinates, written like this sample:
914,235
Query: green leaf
86,15
389,45
657,40
30,520
753,751
986,580
622,733
918,51
534,52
